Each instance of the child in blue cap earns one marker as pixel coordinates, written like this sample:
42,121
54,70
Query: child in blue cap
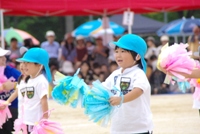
134,115
35,92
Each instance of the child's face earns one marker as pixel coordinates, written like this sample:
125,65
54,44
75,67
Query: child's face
97,70
31,69
2,61
124,58
22,68
84,67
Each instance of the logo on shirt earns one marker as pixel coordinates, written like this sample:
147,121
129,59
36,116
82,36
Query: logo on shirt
124,84
23,90
115,80
30,91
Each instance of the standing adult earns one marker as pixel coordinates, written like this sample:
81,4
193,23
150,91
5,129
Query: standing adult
194,41
151,47
52,47
164,40
14,49
9,72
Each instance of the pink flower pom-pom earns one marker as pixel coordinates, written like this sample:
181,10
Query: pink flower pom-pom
175,59
20,126
4,114
3,78
47,127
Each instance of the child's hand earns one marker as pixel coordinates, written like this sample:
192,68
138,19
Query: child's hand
1,88
4,105
45,116
114,101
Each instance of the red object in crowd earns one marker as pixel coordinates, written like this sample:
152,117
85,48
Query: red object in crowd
88,7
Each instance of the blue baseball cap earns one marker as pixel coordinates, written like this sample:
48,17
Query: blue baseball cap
40,56
134,43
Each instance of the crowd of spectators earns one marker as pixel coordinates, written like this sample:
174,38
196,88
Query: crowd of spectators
93,57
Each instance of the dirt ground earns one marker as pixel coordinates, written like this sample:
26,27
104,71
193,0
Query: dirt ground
172,114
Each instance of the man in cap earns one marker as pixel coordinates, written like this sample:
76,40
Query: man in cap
52,47
164,40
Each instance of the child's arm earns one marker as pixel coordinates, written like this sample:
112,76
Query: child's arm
10,99
8,85
13,96
45,108
134,94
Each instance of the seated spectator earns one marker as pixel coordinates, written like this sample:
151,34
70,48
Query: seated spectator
105,70
113,66
14,48
68,49
86,72
97,71
81,49
28,43
157,83
149,69
67,68
90,48
101,52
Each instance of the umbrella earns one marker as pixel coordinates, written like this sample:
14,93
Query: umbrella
19,35
180,27
95,28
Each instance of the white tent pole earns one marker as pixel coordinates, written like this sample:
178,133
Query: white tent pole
129,26
2,28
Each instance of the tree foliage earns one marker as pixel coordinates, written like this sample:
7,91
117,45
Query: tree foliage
37,26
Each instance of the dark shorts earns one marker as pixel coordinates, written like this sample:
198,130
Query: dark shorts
7,127
29,128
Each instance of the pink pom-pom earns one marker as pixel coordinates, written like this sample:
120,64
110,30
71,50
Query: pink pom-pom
20,126
47,127
4,114
175,59
3,78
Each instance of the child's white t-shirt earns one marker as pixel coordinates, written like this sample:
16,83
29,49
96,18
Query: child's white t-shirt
36,88
134,116
196,102
21,87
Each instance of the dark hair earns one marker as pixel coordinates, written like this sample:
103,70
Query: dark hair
20,78
134,55
96,65
86,62
28,43
113,63
153,57
67,47
13,39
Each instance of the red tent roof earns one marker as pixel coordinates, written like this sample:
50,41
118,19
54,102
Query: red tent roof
88,7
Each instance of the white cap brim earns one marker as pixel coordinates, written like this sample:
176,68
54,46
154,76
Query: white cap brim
22,50
4,52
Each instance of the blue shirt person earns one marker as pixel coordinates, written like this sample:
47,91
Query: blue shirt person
9,72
